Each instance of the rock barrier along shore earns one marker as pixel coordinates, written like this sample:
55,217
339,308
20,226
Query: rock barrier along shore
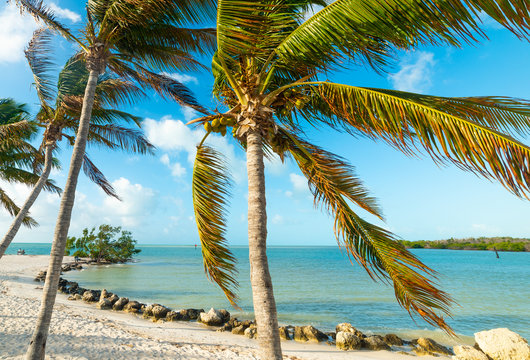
496,344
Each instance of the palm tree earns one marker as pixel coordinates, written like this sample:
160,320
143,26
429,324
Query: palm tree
268,70
61,118
17,155
135,41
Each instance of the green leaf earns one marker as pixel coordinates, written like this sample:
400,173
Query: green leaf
210,188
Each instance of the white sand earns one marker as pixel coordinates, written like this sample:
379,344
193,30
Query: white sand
81,331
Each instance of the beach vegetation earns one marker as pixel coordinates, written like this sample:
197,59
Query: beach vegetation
108,243
58,116
140,44
271,73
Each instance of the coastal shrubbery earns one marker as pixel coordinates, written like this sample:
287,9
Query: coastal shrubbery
103,245
482,243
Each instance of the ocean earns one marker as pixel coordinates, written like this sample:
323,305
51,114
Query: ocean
319,286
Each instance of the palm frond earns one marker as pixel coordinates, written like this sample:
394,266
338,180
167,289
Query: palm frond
120,138
210,188
164,85
7,203
41,12
454,132
368,31
37,54
374,248
97,177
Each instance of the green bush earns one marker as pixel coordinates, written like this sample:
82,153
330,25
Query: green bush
102,246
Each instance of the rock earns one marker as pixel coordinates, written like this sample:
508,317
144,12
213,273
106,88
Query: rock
375,342
149,310
71,297
299,334
77,297
393,339
104,304
251,332
239,330
503,344
104,294
347,341
313,334
113,299
226,327
284,334
90,296
173,316
41,276
463,352
214,317
120,303
159,311
347,327
190,314
133,307
431,347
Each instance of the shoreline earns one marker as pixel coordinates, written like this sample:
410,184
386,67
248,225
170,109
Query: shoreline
103,334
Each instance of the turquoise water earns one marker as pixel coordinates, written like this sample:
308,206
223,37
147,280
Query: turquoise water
319,286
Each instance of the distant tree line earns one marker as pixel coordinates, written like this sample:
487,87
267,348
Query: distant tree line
481,243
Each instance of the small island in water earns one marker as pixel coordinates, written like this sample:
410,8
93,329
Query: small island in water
481,243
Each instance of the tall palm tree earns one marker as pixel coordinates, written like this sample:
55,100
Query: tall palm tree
134,40
17,155
59,114
268,68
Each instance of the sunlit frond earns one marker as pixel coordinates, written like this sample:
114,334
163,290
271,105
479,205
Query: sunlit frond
210,188
374,248
368,31
460,131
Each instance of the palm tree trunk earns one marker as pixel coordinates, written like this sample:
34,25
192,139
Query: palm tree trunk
17,222
260,278
37,345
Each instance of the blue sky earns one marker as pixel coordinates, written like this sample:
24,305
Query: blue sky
420,200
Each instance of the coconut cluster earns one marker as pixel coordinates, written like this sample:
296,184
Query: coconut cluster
219,124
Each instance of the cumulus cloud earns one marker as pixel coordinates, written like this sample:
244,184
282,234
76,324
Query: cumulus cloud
415,73
173,136
15,32
299,182
176,168
183,78
136,200
64,13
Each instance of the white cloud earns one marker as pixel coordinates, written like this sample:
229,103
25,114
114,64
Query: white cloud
176,168
15,32
64,13
415,76
299,182
289,193
277,219
183,78
172,135
136,200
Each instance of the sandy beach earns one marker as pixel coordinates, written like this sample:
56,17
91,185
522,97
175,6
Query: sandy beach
81,331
